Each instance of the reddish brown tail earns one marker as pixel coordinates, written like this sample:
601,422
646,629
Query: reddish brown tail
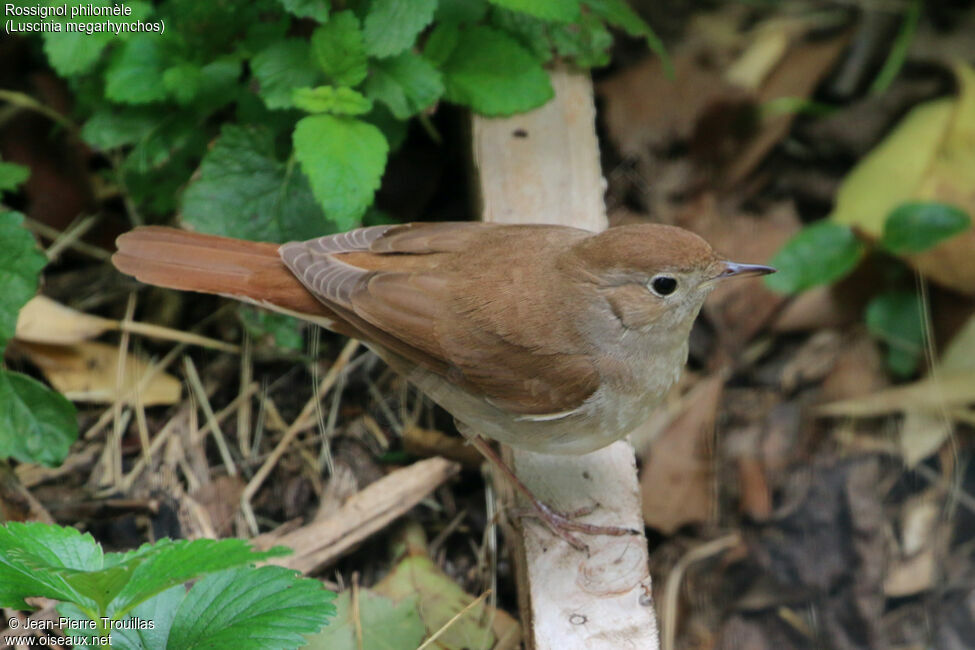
249,271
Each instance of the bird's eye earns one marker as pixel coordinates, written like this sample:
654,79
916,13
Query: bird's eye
663,285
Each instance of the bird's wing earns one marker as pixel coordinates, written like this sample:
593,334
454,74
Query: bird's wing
408,288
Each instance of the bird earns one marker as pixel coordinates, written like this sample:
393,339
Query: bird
547,338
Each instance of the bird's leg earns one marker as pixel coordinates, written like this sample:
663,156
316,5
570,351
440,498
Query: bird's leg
560,523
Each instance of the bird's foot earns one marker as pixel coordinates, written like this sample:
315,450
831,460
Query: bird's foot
564,524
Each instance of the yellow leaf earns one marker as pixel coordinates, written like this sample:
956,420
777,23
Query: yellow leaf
930,156
43,320
88,372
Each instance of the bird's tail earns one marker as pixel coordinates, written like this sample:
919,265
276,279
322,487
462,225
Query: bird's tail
245,270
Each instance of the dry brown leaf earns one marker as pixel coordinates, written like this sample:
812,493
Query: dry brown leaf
859,370
676,479
645,109
88,372
796,76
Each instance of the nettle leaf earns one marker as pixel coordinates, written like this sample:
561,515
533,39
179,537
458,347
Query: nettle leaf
176,562
113,126
896,318
344,159
339,49
562,11
818,254
182,82
37,424
460,12
30,556
243,190
440,43
587,43
406,84
282,67
12,175
530,32
240,609
392,26
490,72
329,99
314,9
135,74
73,53
917,226
20,264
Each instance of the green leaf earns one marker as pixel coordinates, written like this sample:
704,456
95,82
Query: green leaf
530,32
30,555
392,26
243,190
75,52
384,624
406,83
344,159
20,264
587,42
460,12
37,424
113,126
329,99
12,175
818,254
340,50
619,13
282,67
165,565
490,72
394,130
285,331
182,82
135,74
561,11
314,9
243,609
441,43
917,226
895,317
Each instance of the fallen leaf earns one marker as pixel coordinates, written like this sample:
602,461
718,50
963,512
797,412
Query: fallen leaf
676,480
43,320
931,395
88,372
440,599
372,622
930,156
858,371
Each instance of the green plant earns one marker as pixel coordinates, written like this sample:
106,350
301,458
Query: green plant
139,597
826,252
37,424
294,105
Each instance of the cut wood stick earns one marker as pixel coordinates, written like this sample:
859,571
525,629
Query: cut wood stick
543,167
320,543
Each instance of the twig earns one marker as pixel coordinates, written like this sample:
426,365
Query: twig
330,378
201,395
672,588
436,635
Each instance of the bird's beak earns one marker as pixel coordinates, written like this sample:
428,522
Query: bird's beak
724,270
732,269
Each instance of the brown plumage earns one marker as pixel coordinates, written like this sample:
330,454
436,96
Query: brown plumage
521,331
548,338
